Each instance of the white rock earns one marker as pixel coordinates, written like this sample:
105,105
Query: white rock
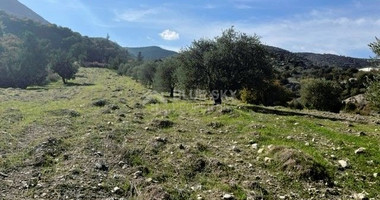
360,150
228,196
260,150
267,159
343,163
375,175
255,146
116,190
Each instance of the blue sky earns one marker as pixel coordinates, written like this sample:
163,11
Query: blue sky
343,27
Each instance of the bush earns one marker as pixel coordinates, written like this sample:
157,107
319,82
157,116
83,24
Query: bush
373,93
295,104
321,95
273,95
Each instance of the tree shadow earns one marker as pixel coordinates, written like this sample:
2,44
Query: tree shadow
79,84
264,110
36,88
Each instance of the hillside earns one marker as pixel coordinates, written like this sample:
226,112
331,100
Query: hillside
15,8
309,60
105,136
151,53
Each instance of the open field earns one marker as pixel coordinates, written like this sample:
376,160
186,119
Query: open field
107,137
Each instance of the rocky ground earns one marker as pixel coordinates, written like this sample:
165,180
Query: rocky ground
106,137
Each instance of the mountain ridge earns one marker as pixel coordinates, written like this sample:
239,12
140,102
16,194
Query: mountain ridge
19,10
151,52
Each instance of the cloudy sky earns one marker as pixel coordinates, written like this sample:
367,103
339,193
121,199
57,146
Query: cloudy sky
343,27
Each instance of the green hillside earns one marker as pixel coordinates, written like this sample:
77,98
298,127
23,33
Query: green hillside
107,137
151,53
15,8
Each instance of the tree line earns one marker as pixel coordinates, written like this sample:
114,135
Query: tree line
233,64
30,52
238,62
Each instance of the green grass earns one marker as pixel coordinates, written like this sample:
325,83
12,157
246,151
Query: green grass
207,152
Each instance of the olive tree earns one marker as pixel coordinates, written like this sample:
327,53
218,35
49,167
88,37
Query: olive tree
226,64
165,79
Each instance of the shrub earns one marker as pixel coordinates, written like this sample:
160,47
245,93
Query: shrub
273,95
295,104
373,93
321,95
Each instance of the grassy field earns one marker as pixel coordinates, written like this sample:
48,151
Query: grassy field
105,136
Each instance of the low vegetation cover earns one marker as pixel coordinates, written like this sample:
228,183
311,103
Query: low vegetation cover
107,136
216,135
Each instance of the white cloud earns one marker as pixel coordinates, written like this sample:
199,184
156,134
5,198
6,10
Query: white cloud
132,15
169,35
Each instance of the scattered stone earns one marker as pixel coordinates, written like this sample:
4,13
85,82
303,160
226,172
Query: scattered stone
361,133
25,185
116,190
254,146
236,149
307,144
3,175
361,196
100,103
147,128
98,153
370,162
226,110
360,150
260,151
101,166
137,174
149,180
228,197
267,160
114,107
289,137
160,139
162,123
375,175
215,125
295,124
343,164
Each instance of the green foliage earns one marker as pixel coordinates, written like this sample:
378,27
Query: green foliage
373,86
63,66
375,46
165,78
373,92
23,61
272,94
146,72
25,47
232,61
321,95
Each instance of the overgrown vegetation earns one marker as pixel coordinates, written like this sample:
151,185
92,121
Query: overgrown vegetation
26,48
95,140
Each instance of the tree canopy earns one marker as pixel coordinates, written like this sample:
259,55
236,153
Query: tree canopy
230,62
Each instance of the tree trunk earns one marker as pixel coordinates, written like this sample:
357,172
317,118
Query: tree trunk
217,95
64,81
171,92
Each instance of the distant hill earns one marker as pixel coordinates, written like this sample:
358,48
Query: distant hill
19,10
151,52
308,60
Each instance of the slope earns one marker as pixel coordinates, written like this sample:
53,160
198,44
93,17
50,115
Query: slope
308,60
15,8
151,53
107,137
